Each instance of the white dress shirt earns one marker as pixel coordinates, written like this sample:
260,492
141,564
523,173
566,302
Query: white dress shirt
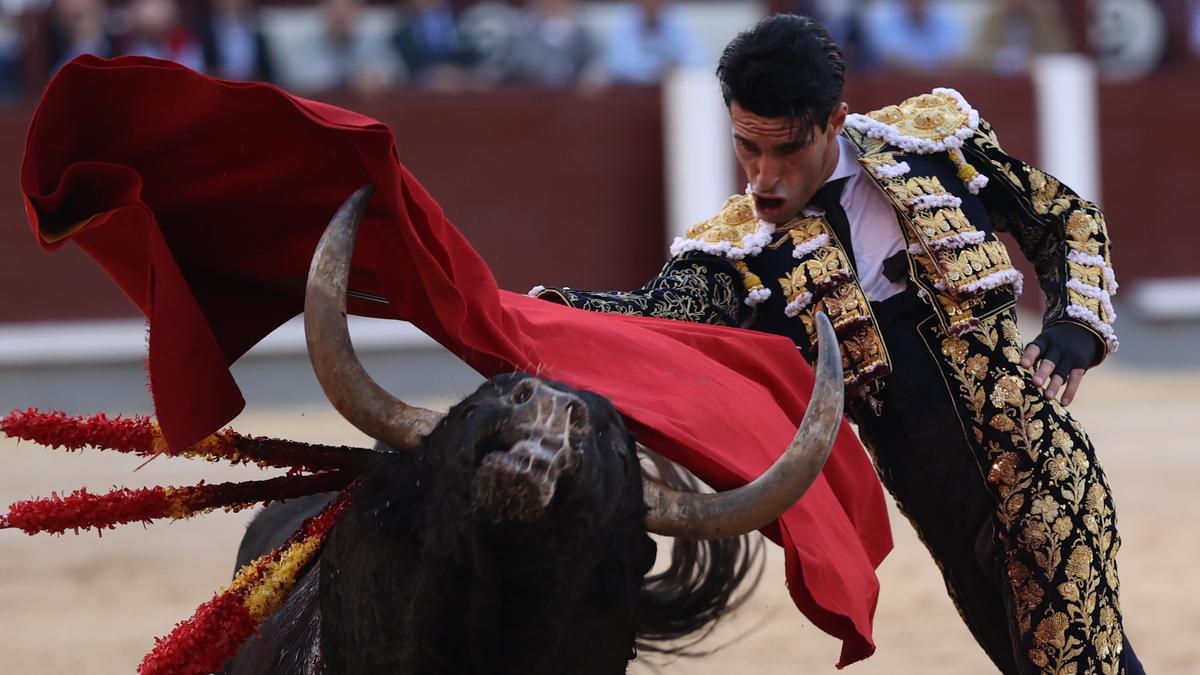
874,230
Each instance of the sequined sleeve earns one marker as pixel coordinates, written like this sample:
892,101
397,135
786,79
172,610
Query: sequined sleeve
695,287
1062,234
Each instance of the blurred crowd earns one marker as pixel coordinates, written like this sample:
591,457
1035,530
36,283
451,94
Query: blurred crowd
366,47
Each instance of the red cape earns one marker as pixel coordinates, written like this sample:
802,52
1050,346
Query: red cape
203,198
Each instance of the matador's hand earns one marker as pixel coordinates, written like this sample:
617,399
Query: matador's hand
1063,353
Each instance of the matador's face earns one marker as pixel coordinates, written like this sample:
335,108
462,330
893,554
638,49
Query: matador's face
785,168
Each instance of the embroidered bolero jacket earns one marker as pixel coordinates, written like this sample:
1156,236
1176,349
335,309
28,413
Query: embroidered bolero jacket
952,187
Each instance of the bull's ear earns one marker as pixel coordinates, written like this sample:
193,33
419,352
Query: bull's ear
752,506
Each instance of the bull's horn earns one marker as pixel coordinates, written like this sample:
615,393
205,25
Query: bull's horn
349,388
752,506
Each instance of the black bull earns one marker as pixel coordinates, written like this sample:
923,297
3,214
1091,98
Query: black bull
510,535
441,564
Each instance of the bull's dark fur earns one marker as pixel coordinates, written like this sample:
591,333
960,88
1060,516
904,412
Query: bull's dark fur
412,579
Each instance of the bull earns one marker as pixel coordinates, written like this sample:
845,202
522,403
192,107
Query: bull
510,535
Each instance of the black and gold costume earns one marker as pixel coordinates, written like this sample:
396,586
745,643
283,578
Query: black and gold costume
1001,483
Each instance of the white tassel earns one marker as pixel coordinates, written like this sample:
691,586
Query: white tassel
810,245
925,202
996,279
1089,317
1110,278
796,306
757,295
977,183
891,170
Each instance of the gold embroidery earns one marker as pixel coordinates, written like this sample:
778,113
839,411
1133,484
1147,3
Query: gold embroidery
795,284
1084,231
1053,511
1082,226
931,117
823,281
683,291
942,223
955,348
1092,275
953,265
1046,193
874,161
1055,223
802,230
986,142
1094,305
863,355
846,306
904,191
965,269
735,221
975,262
826,267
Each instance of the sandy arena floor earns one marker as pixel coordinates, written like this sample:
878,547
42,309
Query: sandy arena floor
83,604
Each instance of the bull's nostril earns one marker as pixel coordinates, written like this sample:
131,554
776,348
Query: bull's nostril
577,412
522,392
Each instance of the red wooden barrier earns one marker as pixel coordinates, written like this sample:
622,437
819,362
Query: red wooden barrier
568,189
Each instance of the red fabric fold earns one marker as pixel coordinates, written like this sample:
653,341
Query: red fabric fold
204,200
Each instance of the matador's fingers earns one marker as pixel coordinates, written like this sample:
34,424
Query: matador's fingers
1042,376
1073,385
1031,354
1056,382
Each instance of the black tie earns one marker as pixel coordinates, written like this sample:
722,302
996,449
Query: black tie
829,199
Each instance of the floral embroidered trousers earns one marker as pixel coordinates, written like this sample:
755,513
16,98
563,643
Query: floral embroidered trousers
1003,487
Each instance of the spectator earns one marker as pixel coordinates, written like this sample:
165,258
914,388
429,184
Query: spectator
916,35
78,27
429,44
10,54
347,54
1194,28
1015,31
648,39
553,48
232,40
844,21
155,30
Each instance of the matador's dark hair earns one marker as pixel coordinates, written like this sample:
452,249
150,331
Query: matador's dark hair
786,66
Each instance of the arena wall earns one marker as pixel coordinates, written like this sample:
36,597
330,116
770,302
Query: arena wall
569,188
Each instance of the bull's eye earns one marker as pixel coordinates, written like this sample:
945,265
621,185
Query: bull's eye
468,410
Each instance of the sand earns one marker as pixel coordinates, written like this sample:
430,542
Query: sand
87,604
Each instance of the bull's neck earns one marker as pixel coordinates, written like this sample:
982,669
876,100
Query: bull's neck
453,595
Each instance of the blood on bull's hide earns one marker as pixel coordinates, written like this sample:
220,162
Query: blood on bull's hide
511,534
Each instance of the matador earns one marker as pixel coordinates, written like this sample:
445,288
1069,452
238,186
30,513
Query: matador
888,223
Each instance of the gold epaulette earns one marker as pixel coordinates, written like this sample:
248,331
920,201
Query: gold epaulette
925,124
734,233
939,121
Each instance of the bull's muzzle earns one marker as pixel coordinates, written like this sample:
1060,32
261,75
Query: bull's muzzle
525,459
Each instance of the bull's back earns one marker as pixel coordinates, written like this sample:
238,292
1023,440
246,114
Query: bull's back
288,641
274,524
